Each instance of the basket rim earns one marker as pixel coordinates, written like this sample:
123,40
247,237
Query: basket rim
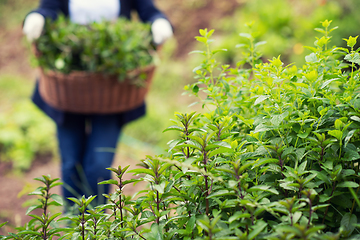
79,73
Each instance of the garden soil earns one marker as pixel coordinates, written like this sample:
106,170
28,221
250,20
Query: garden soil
187,17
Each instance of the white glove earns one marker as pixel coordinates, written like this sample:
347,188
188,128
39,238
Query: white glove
161,30
33,26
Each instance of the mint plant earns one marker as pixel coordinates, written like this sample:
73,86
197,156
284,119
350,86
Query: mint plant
297,125
42,226
106,47
273,154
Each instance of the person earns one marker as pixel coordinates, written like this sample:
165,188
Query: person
80,136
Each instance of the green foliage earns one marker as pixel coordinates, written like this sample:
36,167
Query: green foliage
42,226
287,25
273,155
111,48
12,13
25,133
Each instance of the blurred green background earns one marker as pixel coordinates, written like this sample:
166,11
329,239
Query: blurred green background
26,134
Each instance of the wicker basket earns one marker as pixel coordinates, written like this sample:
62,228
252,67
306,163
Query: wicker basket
82,92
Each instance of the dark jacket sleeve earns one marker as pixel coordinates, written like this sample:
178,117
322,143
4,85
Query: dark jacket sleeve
147,11
51,8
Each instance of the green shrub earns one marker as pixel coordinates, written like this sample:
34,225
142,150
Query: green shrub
287,25
25,133
274,155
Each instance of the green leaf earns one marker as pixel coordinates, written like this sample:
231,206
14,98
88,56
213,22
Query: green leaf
241,45
174,127
350,154
320,30
37,217
264,188
300,153
316,207
190,144
348,223
238,215
327,82
191,224
164,167
53,217
328,165
353,58
220,151
349,136
355,118
347,184
338,124
57,199
247,156
304,134
320,42
201,39
56,184
211,147
196,139
257,229
42,179
203,32
142,171
203,223
245,166
221,193
110,181
297,216
336,133
303,85
288,229
245,35
311,58
195,89
38,191
262,128
277,119
3,224
263,161
354,196
219,50
160,187
130,181
156,232
326,23
259,43
314,229
260,99
334,28
75,200
30,232
31,208
323,177
351,41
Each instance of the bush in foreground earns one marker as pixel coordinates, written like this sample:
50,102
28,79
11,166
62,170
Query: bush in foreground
274,155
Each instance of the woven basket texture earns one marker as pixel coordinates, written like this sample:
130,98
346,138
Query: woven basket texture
83,92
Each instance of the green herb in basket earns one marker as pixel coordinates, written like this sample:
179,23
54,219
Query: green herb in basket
107,47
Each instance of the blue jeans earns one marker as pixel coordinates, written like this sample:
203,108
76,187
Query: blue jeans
87,146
